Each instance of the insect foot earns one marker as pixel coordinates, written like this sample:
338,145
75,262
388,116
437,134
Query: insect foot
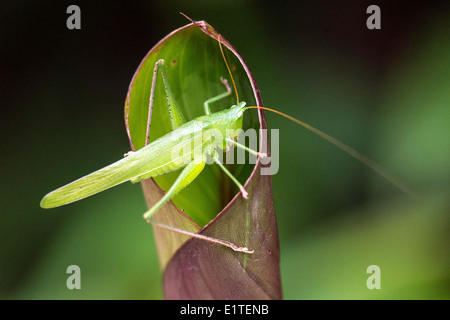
225,83
242,249
261,154
129,153
244,193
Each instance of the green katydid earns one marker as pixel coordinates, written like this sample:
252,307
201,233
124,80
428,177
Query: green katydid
157,158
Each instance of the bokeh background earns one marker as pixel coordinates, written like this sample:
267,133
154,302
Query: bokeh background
384,92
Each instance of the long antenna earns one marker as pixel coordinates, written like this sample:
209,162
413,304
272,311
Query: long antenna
229,70
355,154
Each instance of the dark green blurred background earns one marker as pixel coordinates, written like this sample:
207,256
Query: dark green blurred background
384,92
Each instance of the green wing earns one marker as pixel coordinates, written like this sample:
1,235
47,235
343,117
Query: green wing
105,178
150,161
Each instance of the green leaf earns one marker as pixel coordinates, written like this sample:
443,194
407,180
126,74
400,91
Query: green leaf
200,269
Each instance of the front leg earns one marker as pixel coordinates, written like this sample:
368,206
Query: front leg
176,116
220,96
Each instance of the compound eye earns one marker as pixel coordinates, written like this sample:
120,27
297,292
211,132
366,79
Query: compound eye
239,114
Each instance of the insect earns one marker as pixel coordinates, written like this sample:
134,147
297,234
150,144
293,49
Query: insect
162,155
158,157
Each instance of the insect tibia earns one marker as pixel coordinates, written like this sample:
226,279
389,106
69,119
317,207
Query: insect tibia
199,236
261,154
